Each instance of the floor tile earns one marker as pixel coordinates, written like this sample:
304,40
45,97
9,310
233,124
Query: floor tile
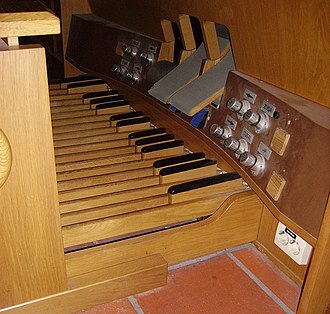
122,306
284,288
215,286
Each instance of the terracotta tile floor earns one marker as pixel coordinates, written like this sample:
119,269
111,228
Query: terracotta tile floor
239,280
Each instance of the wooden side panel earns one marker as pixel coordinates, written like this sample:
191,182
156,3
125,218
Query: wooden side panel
222,230
316,294
285,43
31,255
101,286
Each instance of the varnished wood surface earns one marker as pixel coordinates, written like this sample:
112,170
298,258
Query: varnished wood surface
304,196
266,36
224,228
26,20
316,294
31,255
90,289
140,220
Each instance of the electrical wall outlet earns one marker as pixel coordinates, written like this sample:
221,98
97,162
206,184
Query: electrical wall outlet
294,246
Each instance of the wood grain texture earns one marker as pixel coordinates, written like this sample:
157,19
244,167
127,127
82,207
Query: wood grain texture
80,129
61,96
100,179
167,47
108,188
79,120
304,196
210,40
5,158
316,293
71,166
31,254
71,106
101,137
140,220
186,31
121,280
265,36
28,24
112,198
95,154
90,147
221,230
112,210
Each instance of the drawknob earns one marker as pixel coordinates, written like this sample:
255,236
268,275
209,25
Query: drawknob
218,131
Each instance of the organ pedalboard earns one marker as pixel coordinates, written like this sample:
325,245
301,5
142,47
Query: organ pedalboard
112,164
258,128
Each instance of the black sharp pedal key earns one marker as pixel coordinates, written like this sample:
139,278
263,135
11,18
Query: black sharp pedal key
129,115
161,146
201,183
85,84
106,99
133,121
78,79
154,140
112,104
177,160
100,94
146,133
188,166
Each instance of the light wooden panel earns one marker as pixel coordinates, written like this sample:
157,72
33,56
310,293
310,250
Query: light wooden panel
224,229
31,255
140,220
316,294
28,24
101,286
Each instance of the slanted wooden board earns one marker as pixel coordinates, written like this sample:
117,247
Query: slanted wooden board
26,18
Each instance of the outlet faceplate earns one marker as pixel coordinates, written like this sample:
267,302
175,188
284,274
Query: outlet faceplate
294,246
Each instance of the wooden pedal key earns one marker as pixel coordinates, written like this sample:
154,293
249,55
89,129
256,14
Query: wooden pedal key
125,116
171,161
188,171
153,140
135,136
